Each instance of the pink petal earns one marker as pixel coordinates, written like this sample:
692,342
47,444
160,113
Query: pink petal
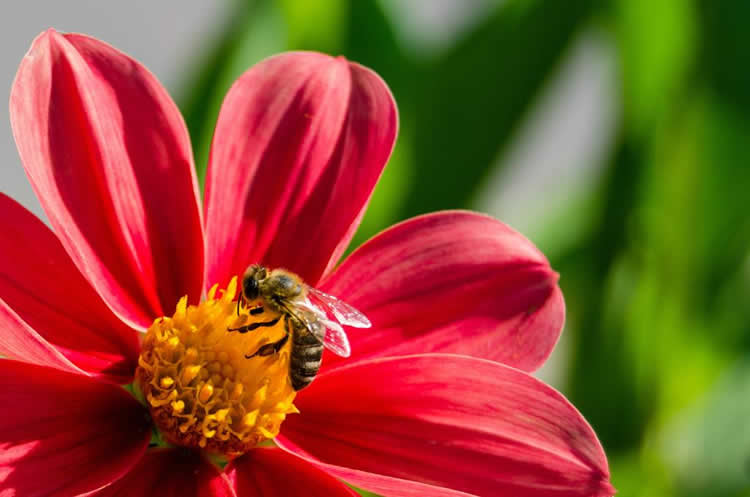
64,434
270,472
109,157
170,473
439,424
301,141
455,282
45,302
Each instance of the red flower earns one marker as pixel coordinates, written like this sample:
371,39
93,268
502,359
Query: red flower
436,398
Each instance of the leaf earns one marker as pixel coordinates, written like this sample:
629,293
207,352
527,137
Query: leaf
457,110
470,100
708,448
254,31
726,49
319,25
657,44
371,41
625,283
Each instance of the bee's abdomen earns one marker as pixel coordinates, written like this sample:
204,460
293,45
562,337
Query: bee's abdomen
305,358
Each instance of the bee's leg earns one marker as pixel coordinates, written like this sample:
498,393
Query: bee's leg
270,348
255,326
238,304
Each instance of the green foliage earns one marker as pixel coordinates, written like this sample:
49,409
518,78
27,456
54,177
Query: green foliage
254,31
703,446
371,41
656,40
657,285
471,99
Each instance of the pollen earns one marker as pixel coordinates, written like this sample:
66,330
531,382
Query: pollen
202,389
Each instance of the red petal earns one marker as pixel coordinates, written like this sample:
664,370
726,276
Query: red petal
42,286
19,341
300,142
455,282
64,434
170,473
270,472
427,423
109,157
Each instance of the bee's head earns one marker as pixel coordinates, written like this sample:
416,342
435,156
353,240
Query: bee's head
250,279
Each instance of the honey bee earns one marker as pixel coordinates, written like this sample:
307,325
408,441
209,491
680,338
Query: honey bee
312,318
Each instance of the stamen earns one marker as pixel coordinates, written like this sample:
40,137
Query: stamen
201,389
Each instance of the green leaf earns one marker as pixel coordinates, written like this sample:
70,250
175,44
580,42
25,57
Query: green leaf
659,291
657,45
628,283
640,474
726,49
319,25
459,109
708,448
371,41
597,280
470,100
254,31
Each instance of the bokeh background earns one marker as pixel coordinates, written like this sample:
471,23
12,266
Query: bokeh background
613,133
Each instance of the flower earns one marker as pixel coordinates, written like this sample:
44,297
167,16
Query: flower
436,398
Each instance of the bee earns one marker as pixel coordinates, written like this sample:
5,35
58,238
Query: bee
312,319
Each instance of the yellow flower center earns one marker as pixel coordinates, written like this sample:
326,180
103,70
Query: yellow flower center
202,390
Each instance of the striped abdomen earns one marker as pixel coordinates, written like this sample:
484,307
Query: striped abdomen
305,357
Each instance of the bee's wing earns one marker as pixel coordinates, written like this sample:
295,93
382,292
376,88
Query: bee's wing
329,333
342,312
335,339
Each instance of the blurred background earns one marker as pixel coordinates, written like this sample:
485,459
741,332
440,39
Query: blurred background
615,134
